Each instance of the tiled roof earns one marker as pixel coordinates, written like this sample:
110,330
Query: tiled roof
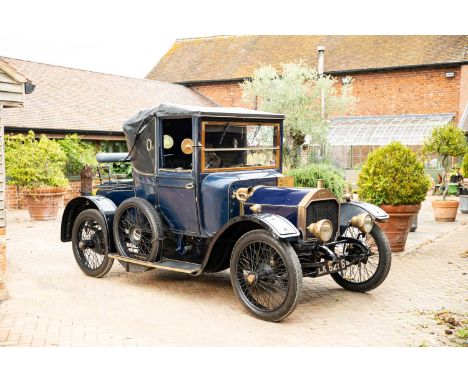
235,57
73,99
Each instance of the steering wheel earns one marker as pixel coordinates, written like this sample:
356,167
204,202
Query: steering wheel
214,160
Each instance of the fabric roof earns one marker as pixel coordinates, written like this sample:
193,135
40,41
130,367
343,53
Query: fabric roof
382,130
235,57
174,110
67,99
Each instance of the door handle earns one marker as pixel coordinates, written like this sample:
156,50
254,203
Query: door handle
189,186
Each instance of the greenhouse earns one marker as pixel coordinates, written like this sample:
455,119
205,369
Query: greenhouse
353,138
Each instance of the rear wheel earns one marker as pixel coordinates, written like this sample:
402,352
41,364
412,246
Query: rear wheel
89,242
363,275
138,231
266,275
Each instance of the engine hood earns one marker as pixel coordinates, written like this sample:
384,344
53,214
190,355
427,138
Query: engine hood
218,206
291,203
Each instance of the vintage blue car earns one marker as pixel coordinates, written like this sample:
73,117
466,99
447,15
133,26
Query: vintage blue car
207,193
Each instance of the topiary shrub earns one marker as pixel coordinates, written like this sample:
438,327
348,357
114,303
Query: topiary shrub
393,175
33,163
307,176
446,141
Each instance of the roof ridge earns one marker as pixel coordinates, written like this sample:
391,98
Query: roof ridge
89,71
215,37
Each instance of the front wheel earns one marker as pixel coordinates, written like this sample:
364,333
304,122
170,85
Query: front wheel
266,275
363,275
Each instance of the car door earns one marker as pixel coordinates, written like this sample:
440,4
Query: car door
175,179
177,201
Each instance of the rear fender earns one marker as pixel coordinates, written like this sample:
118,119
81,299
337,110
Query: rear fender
353,208
81,203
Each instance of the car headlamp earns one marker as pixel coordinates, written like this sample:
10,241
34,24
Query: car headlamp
363,222
322,230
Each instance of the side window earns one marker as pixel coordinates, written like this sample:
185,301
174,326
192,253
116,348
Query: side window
176,134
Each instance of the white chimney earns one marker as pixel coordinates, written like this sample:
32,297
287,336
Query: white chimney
321,59
320,69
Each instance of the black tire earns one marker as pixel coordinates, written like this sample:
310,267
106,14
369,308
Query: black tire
377,265
138,231
90,243
275,270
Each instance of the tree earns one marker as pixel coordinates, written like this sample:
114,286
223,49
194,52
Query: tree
446,141
297,93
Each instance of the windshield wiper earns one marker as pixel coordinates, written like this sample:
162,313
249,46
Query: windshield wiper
255,135
226,128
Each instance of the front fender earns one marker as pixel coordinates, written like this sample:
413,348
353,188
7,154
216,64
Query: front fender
77,205
278,226
353,208
219,250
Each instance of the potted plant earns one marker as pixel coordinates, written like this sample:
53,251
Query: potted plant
394,178
37,166
446,141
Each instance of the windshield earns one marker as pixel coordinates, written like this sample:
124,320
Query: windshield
238,146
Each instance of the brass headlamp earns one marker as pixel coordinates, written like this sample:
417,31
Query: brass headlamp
363,222
322,230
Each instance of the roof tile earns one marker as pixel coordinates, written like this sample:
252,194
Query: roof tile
234,57
74,99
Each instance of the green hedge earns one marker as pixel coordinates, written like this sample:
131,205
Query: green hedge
307,176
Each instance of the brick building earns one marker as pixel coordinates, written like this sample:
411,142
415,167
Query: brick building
398,80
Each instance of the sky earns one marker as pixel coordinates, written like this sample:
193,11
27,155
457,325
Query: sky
129,37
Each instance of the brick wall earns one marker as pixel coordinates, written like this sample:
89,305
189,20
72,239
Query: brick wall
224,93
74,187
14,199
409,91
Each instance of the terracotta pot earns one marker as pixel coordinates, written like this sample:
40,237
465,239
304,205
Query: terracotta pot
445,210
399,224
44,203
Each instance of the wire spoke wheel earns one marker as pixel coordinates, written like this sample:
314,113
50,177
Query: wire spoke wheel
363,272
361,269
89,242
135,234
263,276
137,230
266,275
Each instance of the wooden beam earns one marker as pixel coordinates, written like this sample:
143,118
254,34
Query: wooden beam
11,88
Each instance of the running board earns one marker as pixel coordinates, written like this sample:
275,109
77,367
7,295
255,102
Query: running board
169,265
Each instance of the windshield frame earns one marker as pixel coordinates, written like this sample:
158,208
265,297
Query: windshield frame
277,149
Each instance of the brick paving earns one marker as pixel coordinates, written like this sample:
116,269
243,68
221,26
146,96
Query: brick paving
53,304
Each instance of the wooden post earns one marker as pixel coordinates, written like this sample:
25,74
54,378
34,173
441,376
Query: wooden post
3,288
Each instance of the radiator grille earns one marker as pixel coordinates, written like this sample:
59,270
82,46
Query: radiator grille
323,209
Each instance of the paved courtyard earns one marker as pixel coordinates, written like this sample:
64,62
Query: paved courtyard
52,303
